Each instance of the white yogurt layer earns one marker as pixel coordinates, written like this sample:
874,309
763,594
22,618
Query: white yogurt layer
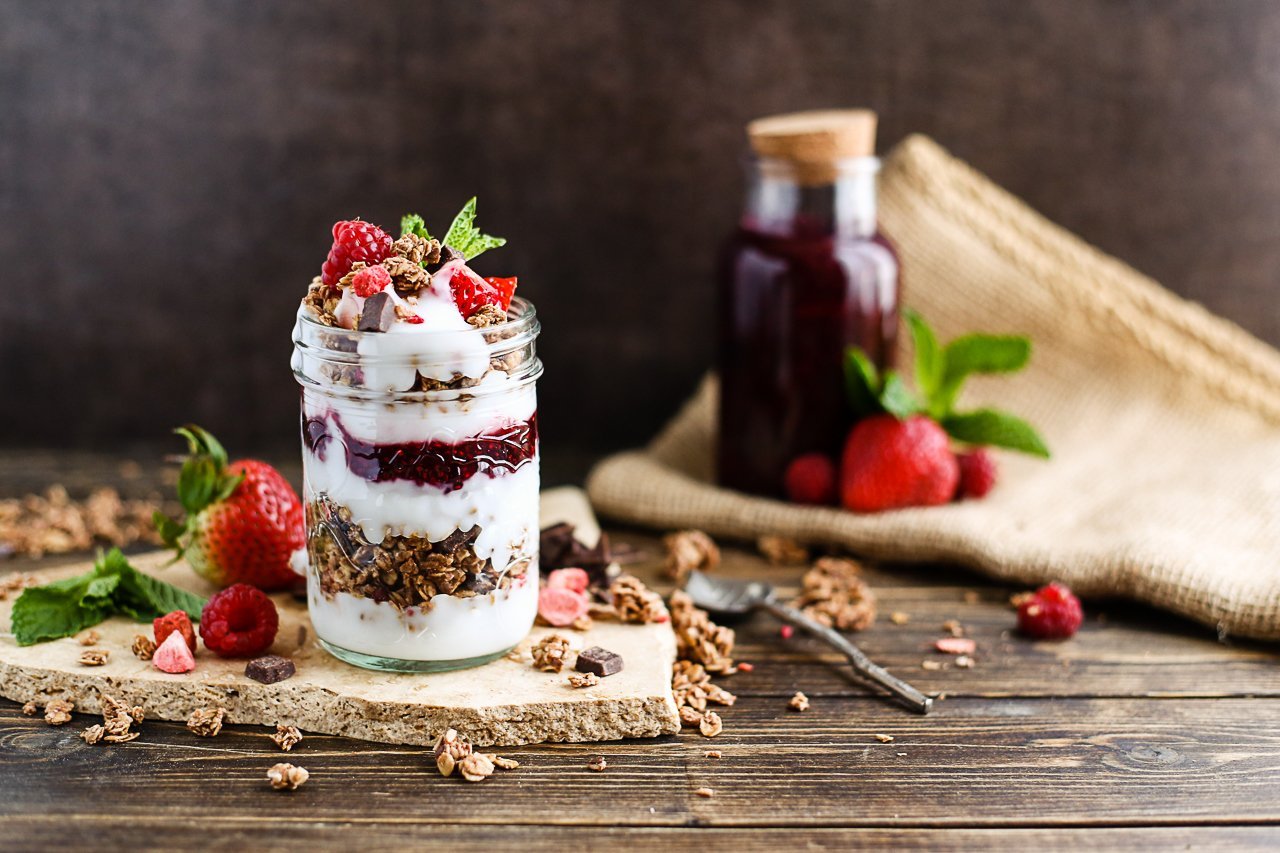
449,629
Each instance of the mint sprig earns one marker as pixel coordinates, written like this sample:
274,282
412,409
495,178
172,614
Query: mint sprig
940,373
113,587
412,223
465,237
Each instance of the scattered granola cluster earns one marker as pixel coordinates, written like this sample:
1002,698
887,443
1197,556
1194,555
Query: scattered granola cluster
206,722
635,602
551,653
453,751
689,550
833,593
698,639
53,523
94,657
286,777
799,702
691,685
57,712
782,550
16,582
117,722
287,737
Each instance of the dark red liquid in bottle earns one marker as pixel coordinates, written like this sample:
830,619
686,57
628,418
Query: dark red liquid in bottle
794,297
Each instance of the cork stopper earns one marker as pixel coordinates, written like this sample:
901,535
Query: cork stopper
813,142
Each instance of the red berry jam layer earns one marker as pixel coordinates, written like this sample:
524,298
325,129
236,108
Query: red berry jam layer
446,465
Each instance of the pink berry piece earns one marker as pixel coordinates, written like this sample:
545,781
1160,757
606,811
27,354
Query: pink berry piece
955,645
561,607
173,655
1050,613
572,579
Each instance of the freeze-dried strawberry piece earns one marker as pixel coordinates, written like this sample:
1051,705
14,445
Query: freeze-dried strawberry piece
173,655
175,621
561,607
571,579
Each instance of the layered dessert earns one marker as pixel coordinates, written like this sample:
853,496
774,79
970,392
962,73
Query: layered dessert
420,449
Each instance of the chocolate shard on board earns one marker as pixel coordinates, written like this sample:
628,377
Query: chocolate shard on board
378,314
600,661
270,668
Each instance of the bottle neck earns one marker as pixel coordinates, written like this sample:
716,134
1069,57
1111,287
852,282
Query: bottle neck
840,202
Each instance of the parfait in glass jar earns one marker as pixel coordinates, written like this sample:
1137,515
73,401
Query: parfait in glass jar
420,450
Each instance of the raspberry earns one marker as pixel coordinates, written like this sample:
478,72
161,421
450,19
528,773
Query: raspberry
977,474
561,606
1050,613
173,656
353,241
571,579
811,479
240,621
370,280
175,621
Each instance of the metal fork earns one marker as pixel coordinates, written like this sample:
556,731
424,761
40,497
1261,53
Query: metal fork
734,597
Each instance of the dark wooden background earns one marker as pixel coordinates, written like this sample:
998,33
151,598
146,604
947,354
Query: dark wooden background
169,172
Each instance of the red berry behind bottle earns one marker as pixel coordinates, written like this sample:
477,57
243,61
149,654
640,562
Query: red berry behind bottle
978,474
811,479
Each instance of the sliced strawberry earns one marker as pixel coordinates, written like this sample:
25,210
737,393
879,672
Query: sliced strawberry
471,292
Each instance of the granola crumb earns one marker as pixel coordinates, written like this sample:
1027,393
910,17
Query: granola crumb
884,738
94,657
58,712
706,793
583,679
487,315
971,597
713,753
476,767
711,724
799,702
698,639
833,593
117,720
89,638
597,764
782,550
931,665
551,653
635,602
206,722
287,777
583,623
286,737
143,647
30,708
450,749
953,627
93,734
504,763
897,617
688,550
965,662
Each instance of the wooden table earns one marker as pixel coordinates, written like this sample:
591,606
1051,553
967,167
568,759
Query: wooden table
1142,731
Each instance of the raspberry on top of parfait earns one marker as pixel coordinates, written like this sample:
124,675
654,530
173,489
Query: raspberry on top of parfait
414,283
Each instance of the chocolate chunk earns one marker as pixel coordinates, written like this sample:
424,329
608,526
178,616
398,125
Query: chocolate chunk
559,549
446,254
270,668
378,314
600,661
480,583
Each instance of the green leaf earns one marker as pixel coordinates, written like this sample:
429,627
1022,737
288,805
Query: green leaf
67,606
170,531
465,237
412,223
996,428
930,359
201,442
896,397
861,382
979,353
196,483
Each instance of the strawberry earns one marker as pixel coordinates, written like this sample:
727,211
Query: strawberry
890,464
471,292
243,520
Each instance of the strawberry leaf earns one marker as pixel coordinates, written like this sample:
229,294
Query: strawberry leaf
196,483
861,383
996,428
896,397
168,529
930,359
465,237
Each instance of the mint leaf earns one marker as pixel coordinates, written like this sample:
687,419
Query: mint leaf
412,223
465,237
930,360
993,427
896,397
979,354
861,383
68,606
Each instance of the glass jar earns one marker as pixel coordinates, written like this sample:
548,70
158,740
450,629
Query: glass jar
420,480
805,276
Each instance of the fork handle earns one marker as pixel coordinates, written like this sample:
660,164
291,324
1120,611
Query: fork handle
903,692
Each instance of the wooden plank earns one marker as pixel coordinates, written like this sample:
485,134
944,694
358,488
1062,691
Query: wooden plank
976,763
247,832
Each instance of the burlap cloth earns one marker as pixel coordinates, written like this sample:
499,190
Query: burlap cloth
1164,422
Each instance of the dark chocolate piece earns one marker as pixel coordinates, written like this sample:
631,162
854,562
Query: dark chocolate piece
378,314
446,254
600,661
559,549
270,668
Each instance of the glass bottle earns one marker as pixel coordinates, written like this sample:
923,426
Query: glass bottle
805,276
